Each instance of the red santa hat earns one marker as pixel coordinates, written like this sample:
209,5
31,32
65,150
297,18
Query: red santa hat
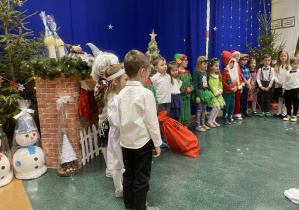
226,58
235,52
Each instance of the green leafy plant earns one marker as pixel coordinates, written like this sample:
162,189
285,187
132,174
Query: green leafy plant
9,108
267,40
17,43
51,68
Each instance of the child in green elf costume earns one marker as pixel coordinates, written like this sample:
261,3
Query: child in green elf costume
186,88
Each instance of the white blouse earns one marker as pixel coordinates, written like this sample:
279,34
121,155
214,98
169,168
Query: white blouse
175,87
280,76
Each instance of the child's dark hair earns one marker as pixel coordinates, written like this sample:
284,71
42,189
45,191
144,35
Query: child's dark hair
171,65
266,56
135,60
294,59
157,59
211,63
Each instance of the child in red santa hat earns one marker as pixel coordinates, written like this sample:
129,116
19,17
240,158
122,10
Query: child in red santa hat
237,112
230,85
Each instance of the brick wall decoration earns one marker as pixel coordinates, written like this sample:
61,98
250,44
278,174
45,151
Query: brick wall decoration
47,92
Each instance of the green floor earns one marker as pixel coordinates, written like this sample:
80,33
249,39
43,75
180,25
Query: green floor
247,165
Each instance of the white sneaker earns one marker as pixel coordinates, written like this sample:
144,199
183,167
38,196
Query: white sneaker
118,194
152,208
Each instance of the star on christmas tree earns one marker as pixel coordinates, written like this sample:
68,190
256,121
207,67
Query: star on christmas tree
152,50
153,35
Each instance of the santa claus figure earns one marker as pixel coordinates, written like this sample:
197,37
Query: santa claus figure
237,113
230,81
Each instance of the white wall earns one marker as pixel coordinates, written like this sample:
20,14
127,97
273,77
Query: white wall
283,9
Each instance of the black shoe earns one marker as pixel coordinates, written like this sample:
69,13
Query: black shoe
246,114
282,115
277,115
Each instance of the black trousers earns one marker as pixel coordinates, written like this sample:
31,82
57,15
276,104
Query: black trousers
138,163
244,100
265,97
291,97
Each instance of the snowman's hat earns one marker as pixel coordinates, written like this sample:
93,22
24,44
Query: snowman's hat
25,125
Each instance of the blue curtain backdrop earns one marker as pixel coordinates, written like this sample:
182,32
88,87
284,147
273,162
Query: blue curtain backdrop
180,25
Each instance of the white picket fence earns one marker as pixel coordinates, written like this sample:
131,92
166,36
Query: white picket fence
89,144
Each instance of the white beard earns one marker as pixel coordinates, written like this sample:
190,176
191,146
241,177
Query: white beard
233,73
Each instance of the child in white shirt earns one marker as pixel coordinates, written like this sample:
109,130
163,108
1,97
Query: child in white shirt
139,130
161,82
290,89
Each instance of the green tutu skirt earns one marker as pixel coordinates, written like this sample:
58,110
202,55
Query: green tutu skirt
217,101
205,96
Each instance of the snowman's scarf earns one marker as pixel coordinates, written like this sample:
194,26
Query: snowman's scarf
31,149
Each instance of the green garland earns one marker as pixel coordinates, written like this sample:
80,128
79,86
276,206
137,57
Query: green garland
52,68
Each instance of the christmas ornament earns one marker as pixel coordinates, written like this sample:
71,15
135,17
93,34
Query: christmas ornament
21,87
28,156
6,173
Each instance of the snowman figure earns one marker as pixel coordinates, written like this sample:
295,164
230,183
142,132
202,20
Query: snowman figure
28,160
28,157
5,172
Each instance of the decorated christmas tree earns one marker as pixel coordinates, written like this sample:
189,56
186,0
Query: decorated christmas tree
267,40
152,50
16,44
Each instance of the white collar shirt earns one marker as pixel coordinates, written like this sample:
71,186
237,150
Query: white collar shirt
138,116
291,80
162,86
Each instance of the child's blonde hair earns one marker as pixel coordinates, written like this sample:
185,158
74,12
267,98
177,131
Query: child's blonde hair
278,62
200,60
171,65
157,60
294,59
211,63
112,69
249,61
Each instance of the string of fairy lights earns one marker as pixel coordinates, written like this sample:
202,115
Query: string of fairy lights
250,19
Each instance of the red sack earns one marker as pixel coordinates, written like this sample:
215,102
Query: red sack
180,139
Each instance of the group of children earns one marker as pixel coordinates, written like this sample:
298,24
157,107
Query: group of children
129,128
231,89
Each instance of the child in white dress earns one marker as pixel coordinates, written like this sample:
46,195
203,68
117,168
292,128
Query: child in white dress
117,79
